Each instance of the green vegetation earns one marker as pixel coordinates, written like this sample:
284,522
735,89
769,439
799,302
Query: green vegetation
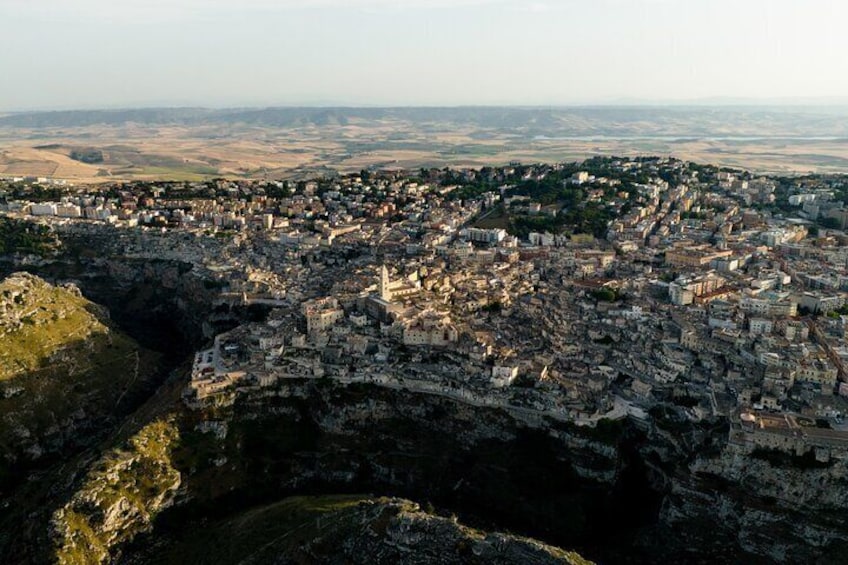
274,191
50,319
606,295
573,212
553,188
830,223
497,218
592,218
89,156
522,226
35,192
120,496
670,419
841,311
17,236
59,354
589,218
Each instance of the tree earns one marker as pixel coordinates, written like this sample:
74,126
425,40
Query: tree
605,295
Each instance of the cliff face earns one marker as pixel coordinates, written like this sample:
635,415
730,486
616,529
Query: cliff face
666,490
66,372
616,493
82,371
177,472
777,508
162,303
572,487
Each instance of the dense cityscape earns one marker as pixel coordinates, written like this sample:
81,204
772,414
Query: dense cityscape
649,289
423,282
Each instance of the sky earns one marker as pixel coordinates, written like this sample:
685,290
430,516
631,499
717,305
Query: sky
65,54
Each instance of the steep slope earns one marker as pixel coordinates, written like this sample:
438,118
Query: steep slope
204,486
120,496
123,494
65,373
348,529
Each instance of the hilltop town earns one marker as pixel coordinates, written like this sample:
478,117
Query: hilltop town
649,289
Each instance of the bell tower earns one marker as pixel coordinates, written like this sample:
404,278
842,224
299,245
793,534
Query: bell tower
385,292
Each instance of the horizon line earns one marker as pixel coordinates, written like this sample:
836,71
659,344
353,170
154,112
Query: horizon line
729,102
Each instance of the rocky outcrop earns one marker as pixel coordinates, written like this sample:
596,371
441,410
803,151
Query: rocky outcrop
119,498
398,531
165,304
40,322
394,531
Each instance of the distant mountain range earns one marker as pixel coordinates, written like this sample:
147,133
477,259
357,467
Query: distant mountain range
685,121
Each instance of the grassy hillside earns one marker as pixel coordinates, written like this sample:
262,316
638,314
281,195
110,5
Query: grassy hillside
44,326
64,371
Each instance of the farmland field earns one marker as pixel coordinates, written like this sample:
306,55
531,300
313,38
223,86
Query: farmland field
293,143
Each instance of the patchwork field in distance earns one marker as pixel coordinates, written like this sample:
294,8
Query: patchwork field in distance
193,144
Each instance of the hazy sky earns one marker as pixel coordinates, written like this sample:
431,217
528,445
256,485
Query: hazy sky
108,53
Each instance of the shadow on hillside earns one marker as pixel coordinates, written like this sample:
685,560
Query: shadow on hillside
70,401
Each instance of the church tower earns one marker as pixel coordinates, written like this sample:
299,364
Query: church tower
385,292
